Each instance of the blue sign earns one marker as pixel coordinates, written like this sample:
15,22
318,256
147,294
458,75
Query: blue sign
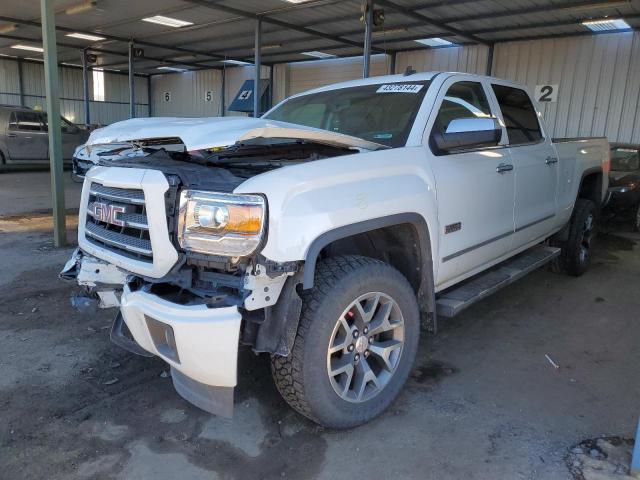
243,101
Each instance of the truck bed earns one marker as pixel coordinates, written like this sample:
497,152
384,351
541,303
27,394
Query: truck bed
579,157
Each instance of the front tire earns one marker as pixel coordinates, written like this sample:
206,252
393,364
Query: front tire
355,345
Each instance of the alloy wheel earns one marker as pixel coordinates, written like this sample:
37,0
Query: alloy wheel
365,347
587,236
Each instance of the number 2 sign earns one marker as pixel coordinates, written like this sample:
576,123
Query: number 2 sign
547,93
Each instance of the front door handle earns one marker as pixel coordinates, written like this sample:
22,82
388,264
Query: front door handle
504,167
12,135
551,160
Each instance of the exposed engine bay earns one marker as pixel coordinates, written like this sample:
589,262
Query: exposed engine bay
220,169
251,283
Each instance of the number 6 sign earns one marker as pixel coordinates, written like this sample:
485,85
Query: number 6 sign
546,93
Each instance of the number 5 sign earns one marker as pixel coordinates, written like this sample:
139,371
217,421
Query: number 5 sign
547,93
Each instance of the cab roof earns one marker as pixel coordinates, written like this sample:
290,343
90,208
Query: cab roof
397,78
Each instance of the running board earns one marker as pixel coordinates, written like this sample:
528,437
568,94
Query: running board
454,300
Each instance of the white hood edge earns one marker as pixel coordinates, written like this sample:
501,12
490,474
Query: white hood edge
211,132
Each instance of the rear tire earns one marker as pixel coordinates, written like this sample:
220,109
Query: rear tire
576,250
355,345
636,219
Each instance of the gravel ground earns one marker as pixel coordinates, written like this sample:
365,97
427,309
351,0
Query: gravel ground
483,401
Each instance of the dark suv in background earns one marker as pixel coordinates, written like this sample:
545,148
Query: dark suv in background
624,183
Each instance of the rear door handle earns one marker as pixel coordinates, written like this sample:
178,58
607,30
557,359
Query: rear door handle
551,160
12,135
504,167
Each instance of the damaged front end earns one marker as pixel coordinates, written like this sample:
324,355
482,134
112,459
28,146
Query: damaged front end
101,282
194,321
169,245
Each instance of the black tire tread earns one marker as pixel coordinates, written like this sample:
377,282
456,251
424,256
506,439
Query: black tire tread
566,262
287,371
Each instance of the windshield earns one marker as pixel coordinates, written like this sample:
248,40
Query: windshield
624,160
381,113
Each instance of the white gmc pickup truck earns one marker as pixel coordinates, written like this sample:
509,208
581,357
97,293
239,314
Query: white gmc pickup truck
325,231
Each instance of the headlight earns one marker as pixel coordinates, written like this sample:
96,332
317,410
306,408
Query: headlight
220,223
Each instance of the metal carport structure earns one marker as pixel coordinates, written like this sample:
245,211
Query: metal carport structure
218,33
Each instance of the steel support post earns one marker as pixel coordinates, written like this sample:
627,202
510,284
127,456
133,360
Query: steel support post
368,25
257,64
53,114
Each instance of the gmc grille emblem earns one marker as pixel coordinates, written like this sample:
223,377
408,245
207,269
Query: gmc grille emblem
107,213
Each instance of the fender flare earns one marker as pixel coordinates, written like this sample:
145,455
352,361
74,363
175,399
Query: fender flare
426,291
585,174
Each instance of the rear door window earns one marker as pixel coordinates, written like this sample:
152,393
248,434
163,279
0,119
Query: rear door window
520,118
66,125
625,159
27,121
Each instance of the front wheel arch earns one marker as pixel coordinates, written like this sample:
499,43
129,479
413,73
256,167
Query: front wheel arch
304,378
425,290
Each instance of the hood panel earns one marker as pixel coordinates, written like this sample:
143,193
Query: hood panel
211,132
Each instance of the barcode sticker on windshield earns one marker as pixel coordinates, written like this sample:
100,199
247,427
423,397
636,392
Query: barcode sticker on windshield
400,88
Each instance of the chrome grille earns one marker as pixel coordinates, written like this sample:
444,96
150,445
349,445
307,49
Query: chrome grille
126,195
117,220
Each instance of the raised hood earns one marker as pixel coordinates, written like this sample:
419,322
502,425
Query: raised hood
212,132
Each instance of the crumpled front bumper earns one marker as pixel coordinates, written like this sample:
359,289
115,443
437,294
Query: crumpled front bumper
199,343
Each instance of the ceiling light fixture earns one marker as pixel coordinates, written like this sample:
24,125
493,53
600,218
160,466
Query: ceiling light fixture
270,46
435,42
173,69
167,21
80,7
181,58
606,24
86,36
31,48
316,54
236,62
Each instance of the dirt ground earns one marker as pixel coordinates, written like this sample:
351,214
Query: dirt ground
28,192
482,403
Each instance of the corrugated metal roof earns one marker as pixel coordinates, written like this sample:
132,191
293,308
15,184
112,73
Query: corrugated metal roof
225,28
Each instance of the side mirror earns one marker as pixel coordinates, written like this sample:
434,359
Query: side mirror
463,133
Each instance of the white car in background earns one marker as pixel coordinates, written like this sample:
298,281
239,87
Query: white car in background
325,231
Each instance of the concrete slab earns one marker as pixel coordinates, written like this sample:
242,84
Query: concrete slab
482,402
